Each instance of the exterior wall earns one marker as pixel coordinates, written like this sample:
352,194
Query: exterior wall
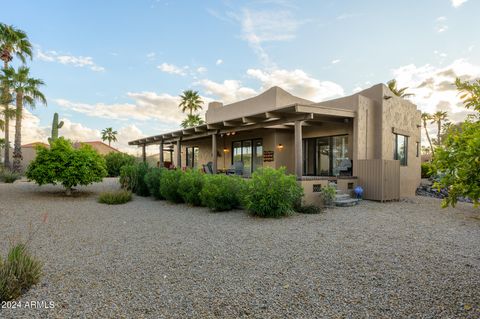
28,153
312,197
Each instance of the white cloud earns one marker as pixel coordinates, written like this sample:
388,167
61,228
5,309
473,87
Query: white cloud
76,61
440,19
441,25
219,61
202,69
173,69
442,28
228,91
151,55
457,3
336,61
298,83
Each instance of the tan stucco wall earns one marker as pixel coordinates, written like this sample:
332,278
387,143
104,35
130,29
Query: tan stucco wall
313,198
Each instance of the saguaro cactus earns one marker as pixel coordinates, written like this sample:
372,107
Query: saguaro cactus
55,127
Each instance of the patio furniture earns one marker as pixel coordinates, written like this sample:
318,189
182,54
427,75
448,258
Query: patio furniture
207,168
236,169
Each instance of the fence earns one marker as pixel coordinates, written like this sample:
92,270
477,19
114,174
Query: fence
379,178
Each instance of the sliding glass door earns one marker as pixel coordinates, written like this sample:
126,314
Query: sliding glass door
250,153
326,156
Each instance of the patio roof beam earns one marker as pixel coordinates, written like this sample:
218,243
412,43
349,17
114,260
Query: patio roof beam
300,117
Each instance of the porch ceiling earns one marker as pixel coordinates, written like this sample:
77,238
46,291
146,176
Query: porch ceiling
268,119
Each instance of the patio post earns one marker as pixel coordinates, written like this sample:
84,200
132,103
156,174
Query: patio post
144,153
298,149
161,160
214,153
179,154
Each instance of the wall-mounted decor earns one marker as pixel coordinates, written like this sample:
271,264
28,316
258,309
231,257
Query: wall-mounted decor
268,156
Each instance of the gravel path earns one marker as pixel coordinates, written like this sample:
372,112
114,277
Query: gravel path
152,259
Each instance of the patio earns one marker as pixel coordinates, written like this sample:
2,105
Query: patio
152,259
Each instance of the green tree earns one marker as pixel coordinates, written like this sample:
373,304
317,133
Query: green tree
392,85
65,165
439,117
109,135
13,42
27,92
458,159
190,101
426,117
192,120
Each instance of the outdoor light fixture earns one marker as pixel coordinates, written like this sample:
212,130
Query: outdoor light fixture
225,150
280,146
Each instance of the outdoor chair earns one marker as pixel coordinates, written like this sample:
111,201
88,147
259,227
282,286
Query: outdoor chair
207,168
236,169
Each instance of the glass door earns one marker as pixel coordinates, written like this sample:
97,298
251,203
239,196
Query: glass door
247,157
323,156
257,154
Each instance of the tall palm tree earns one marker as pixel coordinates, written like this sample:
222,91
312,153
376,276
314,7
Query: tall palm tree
13,42
190,101
109,135
438,117
27,92
392,85
192,120
425,118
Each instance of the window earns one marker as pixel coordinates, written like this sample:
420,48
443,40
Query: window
192,157
401,149
418,149
326,156
250,153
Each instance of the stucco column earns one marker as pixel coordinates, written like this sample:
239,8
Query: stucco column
214,153
179,154
298,149
161,159
144,153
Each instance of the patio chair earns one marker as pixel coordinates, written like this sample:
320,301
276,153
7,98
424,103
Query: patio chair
207,168
236,169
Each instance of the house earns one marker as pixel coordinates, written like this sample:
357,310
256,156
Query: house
370,138
99,146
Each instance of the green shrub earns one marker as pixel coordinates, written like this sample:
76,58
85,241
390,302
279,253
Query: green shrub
153,180
308,209
115,197
427,170
142,188
18,272
129,177
62,164
221,192
7,176
115,161
190,186
327,194
169,185
272,193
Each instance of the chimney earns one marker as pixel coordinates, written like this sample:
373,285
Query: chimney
214,105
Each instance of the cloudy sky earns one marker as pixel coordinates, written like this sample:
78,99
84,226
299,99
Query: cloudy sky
122,64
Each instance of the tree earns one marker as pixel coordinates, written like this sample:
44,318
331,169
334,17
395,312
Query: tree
392,85
65,165
109,135
192,120
190,101
426,117
13,42
438,117
26,92
458,159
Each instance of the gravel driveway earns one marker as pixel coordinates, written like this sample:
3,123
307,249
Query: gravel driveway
152,259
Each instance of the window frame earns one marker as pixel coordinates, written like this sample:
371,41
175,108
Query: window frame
395,151
192,149
315,158
252,150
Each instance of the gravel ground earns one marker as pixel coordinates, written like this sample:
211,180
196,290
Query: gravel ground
152,259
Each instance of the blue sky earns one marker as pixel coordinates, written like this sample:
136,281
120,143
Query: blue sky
124,63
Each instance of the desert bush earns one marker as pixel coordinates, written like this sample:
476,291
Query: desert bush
190,186
142,187
62,164
18,272
307,209
427,170
153,180
221,192
129,177
272,193
7,176
327,194
169,185
115,197
115,161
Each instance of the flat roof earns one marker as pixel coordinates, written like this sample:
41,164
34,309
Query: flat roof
264,119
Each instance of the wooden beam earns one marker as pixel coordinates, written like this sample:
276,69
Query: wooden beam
324,110
214,126
200,129
302,117
250,120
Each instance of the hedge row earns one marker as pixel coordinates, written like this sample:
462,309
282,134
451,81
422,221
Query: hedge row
269,193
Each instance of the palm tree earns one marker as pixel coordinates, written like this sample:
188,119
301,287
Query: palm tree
190,101
426,117
438,117
27,92
109,135
13,42
192,120
392,85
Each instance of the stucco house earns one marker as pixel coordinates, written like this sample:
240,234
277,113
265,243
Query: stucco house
370,138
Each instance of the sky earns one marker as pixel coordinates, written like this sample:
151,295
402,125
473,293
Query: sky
123,63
